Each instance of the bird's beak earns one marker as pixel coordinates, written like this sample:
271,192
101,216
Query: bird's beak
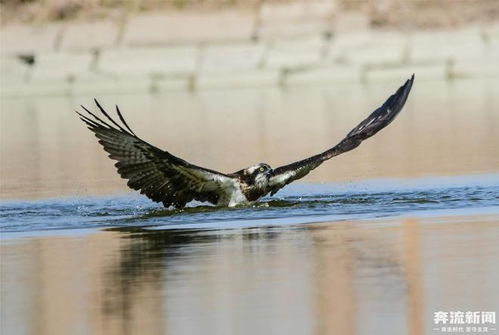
270,173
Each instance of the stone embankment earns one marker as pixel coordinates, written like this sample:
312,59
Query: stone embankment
280,45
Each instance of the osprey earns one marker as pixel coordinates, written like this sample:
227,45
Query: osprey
173,181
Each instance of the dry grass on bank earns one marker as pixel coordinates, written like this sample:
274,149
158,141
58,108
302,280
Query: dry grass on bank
381,13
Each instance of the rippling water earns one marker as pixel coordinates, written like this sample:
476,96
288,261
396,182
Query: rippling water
301,203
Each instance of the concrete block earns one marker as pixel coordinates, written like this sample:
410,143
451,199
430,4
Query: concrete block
238,80
98,84
150,29
172,84
490,34
422,72
22,39
89,36
142,60
492,29
296,53
368,48
13,70
60,66
333,74
14,75
234,57
492,48
444,46
52,74
12,90
272,31
484,67
376,55
29,89
303,42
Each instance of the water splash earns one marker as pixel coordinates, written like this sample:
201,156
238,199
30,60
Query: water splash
300,203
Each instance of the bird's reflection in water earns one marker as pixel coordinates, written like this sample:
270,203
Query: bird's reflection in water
328,278
151,262
294,280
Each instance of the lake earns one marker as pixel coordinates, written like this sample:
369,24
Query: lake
374,241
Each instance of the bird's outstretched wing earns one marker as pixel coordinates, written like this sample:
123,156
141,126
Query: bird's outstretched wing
378,120
156,173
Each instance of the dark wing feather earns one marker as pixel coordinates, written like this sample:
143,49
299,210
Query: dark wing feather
158,174
378,120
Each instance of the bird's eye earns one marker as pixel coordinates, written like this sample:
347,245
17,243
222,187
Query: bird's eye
262,169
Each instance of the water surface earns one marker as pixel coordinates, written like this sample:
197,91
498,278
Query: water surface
298,203
385,276
374,241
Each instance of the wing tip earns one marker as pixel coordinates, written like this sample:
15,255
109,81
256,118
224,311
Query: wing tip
411,80
385,114
408,84
400,97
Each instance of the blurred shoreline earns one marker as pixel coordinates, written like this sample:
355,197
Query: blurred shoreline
241,72
262,44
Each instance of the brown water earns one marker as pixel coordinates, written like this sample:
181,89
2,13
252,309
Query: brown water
402,227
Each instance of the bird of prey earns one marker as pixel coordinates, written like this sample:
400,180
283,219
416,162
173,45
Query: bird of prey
173,181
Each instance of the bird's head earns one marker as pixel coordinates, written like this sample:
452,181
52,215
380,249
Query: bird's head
259,174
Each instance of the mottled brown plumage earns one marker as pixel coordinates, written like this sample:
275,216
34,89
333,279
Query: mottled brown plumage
172,181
